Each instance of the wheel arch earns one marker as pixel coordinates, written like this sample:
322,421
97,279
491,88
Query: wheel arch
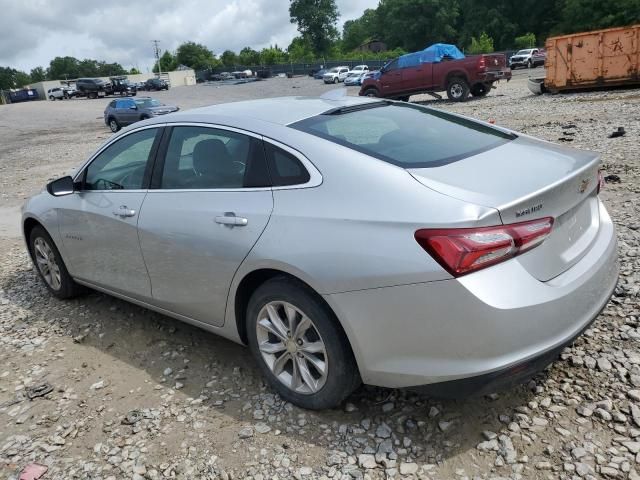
28,225
250,283
456,74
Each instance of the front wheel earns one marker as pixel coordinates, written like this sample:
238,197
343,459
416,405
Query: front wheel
50,266
114,125
52,98
299,346
457,90
336,80
371,92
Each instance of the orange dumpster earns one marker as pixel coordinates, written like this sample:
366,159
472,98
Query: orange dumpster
593,59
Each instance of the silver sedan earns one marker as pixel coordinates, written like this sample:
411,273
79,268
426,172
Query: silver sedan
343,240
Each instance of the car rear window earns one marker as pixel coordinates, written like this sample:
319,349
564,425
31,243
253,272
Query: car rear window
406,135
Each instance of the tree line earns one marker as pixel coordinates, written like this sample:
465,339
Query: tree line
475,26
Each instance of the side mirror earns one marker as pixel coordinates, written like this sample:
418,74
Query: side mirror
61,186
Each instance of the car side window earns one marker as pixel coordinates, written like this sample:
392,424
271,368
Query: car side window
285,168
210,158
122,164
392,66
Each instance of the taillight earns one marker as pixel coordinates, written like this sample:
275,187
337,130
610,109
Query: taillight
601,182
465,250
482,63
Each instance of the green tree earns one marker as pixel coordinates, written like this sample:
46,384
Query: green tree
38,74
168,62
64,67
525,41
300,50
584,15
249,57
12,78
316,21
134,71
196,56
415,24
109,69
484,44
272,56
356,32
228,58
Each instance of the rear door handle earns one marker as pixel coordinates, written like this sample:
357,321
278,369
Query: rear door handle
230,219
124,211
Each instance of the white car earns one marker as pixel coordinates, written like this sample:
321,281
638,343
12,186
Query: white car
358,70
56,93
335,75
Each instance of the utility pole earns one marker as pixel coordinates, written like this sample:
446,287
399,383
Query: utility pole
156,51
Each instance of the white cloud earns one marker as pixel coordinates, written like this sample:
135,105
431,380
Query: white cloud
34,32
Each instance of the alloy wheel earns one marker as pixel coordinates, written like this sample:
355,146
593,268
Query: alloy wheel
292,348
47,264
113,125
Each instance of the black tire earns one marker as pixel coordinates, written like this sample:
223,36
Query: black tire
336,80
114,125
67,288
342,372
52,98
144,117
529,64
481,89
458,89
403,99
371,92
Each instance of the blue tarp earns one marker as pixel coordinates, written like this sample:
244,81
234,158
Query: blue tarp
433,54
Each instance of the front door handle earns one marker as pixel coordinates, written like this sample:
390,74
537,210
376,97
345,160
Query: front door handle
230,219
124,211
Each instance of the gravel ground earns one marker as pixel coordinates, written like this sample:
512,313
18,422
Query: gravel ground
139,395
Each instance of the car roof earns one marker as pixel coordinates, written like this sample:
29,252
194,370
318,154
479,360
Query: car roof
279,110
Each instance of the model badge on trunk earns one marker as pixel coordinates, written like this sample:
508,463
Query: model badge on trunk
528,210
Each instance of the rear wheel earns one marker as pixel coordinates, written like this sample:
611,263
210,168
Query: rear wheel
457,89
336,80
50,266
481,89
371,92
299,346
114,125
52,98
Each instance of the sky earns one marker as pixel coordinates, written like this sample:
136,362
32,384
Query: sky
35,31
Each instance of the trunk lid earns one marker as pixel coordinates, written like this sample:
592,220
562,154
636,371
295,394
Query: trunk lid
526,179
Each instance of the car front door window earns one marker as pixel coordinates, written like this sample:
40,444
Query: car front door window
122,165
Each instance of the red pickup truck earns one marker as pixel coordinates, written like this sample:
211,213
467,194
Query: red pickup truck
473,75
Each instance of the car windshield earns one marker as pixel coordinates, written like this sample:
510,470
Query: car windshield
409,136
147,102
523,52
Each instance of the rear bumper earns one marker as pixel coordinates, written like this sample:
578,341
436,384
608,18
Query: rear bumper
485,323
504,74
499,380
